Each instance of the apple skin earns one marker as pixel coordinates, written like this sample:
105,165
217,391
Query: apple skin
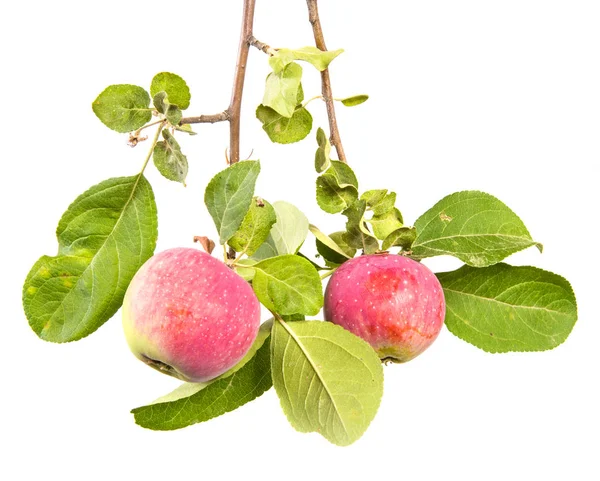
394,303
188,315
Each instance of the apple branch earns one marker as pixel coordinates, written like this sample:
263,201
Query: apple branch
233,113
313,17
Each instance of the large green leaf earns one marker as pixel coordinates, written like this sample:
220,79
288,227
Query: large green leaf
175,88
193,403
287,234
288,284
255,227
474,226
281,90
228,196
123,107
104,237
283,130
328,380
318,58
503,308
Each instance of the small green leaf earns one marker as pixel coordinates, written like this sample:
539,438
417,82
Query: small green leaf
383,225
474,226
284,130
228,196
187,128
287,234
123,108
328,380
169,160
355,100
333,258
171,112
174,86
403,237
255,227
288,284
104,237
331,245
357,235
503,308
331,197
337,188
380,201
322,158
193,403
318,58
281,90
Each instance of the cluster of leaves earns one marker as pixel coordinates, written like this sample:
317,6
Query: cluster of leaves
283,112
328,380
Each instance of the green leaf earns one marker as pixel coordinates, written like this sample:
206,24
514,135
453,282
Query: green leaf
332,257
318,58
288,284
331,197
228,196
357,235
187,128
287,234
193,403
171,112
403,237
328,380
169,160
255,227
284,130
281,90
473,226
104,237
380,201
355,100
174,86
322,155
337,188
503,308
331,245
383,225
123,107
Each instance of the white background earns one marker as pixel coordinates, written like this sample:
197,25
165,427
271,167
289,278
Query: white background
502,97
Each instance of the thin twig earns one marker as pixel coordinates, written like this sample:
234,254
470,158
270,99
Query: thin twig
206,119
313,17
254,42
235,106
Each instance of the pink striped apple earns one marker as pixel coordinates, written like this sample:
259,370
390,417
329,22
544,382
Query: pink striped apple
187,314
394,303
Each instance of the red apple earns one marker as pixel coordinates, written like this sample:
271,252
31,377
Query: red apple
392,302
187,314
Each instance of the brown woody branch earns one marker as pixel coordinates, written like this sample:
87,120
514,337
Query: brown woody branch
313,17
206,119
233,113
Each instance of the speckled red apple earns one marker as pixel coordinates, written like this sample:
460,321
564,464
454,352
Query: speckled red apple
187,314
392,302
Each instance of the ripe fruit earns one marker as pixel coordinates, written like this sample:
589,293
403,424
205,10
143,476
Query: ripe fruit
187,314
392,302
